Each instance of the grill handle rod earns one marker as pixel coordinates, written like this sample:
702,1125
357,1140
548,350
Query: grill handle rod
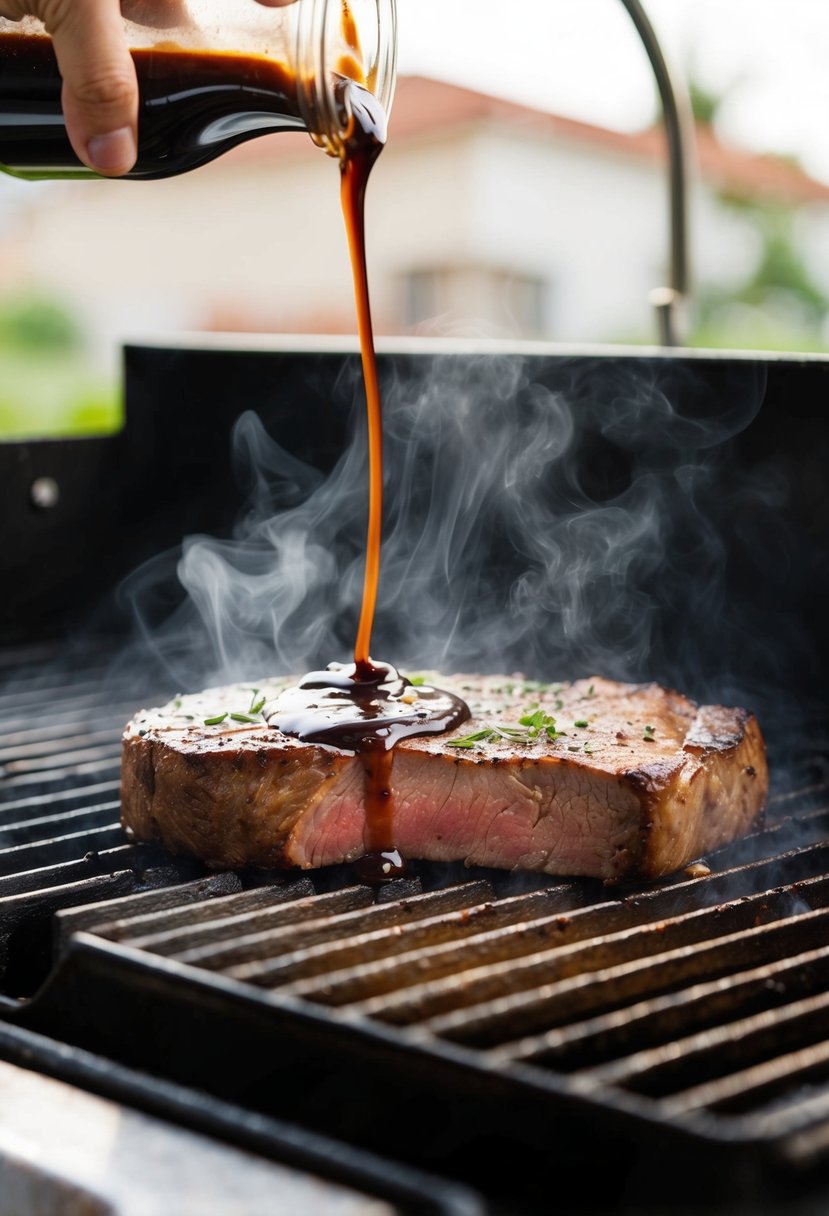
670,302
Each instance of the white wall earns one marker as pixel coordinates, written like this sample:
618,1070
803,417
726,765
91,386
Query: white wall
258,242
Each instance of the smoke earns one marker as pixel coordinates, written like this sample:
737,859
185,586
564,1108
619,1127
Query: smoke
559,519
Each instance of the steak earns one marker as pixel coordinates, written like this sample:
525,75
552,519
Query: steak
593,778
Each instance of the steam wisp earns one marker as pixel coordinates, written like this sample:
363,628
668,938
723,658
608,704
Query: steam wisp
559,523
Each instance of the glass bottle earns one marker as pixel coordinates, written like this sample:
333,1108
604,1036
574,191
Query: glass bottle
211,74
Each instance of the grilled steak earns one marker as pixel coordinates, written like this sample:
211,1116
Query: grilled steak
594,778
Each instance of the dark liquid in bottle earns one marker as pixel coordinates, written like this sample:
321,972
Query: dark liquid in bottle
194,105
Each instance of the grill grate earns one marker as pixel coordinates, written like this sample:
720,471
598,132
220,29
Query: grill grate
702,1001
719,1006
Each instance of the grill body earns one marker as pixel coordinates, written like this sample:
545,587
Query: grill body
483,1026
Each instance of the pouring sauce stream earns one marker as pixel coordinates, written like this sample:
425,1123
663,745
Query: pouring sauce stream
363,145
366,707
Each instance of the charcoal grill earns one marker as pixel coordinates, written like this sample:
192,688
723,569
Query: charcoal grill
484,1029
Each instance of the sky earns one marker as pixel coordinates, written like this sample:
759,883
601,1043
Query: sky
583,58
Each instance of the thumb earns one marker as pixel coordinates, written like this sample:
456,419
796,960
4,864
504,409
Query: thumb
100,93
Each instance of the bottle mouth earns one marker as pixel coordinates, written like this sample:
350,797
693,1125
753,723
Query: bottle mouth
338,41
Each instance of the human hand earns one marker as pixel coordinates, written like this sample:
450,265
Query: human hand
100,91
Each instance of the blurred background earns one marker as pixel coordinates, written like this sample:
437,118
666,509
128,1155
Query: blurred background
522,195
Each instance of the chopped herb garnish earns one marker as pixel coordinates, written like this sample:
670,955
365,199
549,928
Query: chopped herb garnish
258,707
479,736
243,718
559,703
217,721
648,735
417,681
588,749
575,748
591,692
177,703
582,722
538,723
533,725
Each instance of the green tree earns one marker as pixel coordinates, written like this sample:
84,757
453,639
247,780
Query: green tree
37,323
780,303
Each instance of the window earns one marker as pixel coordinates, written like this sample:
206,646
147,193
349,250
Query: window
505,300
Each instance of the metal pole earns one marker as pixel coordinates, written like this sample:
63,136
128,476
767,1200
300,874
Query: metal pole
670,301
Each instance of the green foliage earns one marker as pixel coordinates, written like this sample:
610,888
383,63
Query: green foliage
782,267
779,305
38,323
705,105
54,395
47,387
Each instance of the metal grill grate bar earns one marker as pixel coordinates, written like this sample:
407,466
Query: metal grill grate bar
14,754
355,936
56,761
452,915
808,1066
170,902
38,700
663,1019
123,856
412,987
47,780
28,831
159,920
25,916
60,848
267,903
63,726
61,801
609,988
716,1052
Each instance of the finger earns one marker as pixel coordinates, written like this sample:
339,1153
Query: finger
100,92
157,14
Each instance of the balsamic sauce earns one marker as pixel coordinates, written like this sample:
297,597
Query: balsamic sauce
367,710
366,707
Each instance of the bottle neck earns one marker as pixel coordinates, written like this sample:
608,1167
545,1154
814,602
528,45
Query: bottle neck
339,41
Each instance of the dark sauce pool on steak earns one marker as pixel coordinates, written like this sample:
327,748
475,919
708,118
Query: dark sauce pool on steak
367,710
366,707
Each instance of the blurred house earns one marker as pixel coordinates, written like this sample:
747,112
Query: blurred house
484,217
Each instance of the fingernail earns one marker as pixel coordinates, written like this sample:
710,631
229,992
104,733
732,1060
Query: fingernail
112,153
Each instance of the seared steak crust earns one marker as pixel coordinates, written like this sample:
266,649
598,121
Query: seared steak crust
634,781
